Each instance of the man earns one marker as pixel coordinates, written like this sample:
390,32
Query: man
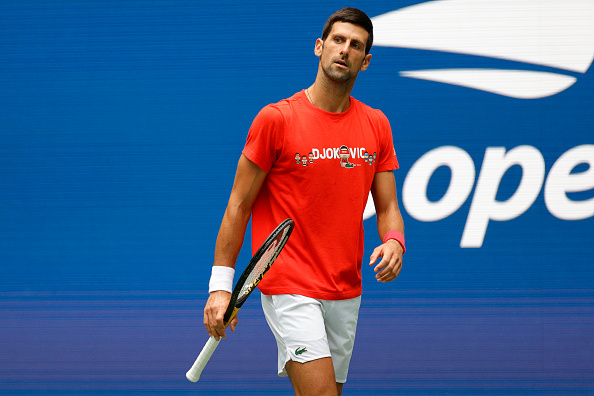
314,157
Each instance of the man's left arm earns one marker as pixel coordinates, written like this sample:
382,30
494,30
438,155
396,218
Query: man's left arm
389,218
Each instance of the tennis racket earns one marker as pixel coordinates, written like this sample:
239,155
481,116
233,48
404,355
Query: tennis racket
246,284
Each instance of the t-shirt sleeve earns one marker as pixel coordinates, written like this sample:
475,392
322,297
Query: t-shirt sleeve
265,138
387,160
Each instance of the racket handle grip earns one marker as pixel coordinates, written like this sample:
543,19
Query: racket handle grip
194,372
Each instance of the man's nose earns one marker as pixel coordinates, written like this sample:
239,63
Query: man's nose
344,50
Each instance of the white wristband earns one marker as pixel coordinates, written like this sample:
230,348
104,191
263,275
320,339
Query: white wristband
221,278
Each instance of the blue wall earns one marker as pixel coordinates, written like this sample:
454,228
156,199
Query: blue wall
120,127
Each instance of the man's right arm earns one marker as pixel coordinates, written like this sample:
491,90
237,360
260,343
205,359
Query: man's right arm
248,181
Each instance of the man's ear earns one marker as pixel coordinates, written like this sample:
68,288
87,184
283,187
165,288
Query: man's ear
318,47
366,61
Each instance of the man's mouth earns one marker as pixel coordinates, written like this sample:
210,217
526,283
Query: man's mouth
341,63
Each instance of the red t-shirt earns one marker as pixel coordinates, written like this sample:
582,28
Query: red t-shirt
320,168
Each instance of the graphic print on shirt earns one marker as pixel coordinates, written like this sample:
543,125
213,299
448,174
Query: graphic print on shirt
343,154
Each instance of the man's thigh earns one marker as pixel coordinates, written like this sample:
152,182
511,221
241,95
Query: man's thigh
314,378
340,319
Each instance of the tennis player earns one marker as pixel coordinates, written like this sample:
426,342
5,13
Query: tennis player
314,157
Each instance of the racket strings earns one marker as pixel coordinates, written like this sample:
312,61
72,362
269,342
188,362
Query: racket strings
263,264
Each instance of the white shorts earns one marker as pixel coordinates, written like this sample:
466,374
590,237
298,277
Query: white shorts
307,329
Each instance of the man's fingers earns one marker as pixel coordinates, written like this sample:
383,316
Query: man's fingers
233,323
210,323
389,267
390,272
219,330
219,324
386,259
386,266
376,253
382,264
213,313
215,328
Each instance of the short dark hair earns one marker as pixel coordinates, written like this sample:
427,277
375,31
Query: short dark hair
354,16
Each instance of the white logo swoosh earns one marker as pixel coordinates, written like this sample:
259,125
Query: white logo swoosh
520,84
551,33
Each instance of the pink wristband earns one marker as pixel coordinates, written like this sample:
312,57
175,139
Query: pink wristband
397,236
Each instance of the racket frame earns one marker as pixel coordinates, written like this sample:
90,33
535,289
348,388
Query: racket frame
235,303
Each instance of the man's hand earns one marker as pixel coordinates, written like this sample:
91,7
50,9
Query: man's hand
213,314
391,264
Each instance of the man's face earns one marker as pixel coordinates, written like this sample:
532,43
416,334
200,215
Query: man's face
342,54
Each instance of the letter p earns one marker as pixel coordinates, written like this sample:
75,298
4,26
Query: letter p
485,207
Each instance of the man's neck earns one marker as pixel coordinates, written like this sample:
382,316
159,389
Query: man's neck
330,96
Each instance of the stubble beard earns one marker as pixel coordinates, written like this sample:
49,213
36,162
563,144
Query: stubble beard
339,76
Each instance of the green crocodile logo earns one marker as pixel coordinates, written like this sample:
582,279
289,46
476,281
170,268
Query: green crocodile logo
300,350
